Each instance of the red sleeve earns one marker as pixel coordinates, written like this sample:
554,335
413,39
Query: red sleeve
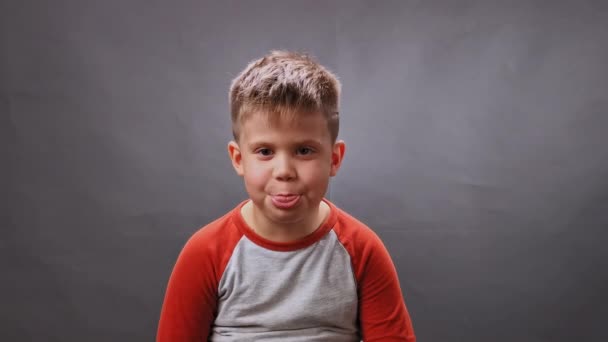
190,301
383,315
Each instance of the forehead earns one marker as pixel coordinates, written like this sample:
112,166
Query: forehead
285,126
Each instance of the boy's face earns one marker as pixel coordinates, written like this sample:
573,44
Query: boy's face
286,166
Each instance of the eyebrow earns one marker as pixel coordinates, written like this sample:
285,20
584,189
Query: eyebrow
297,143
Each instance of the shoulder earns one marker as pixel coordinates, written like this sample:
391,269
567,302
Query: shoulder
214,235
366,249
212,244
353,232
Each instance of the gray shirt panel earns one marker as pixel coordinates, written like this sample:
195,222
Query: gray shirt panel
309,294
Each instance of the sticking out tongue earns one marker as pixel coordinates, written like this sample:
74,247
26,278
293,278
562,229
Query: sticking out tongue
285,201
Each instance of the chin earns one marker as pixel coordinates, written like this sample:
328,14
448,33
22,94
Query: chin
285,215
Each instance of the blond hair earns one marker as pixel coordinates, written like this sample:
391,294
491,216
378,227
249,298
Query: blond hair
285,83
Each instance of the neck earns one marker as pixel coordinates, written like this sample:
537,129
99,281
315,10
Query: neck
278,232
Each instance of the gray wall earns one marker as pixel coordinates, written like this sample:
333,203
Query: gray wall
477,148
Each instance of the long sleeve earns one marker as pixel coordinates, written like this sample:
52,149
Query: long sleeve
382,312
383,315
191,297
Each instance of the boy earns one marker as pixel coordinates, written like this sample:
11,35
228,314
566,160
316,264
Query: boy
286,264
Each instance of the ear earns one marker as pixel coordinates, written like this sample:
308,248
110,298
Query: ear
337,155
234,152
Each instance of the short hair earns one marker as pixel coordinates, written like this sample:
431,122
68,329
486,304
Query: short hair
285,83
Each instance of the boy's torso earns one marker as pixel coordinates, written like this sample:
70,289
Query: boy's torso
304,294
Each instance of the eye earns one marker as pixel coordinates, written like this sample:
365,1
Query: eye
264,152
305,150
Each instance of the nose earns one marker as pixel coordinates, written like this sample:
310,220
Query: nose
284,169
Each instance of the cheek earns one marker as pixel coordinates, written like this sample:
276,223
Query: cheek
317,176
256,176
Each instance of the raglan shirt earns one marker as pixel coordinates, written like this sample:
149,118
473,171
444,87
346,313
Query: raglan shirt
336,284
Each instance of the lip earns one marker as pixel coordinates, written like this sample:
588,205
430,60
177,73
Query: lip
284,200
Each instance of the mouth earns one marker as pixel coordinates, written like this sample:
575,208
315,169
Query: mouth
285,200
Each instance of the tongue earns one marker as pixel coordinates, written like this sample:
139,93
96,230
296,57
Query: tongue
285,202
285,199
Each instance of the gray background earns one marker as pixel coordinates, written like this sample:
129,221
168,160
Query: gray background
476,136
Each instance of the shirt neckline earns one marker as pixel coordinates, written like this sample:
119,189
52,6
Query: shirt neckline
304,242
